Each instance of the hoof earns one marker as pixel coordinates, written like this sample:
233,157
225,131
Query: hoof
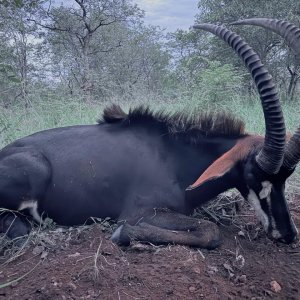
213,244
120,236
211,235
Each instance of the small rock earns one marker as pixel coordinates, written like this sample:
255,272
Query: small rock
275,286
243,279
197,270
239,262
169,291
212,270
38,250
192,289
44,254
76,254
241,233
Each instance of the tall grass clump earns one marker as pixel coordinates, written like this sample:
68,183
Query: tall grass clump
17,121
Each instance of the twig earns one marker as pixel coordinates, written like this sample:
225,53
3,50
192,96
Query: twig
96,269
20,278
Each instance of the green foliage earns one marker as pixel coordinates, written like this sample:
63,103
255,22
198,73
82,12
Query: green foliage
17,121
226,11
7,71
273,51
19,3
217,82
61,63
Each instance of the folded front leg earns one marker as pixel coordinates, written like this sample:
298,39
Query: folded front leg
166,227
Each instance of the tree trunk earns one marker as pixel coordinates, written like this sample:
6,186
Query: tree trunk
87,84
294,77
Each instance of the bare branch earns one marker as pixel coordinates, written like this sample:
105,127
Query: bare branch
101,23
54,28
84,15
106,50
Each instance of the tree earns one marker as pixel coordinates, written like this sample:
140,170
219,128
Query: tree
20,40
139,64
280,60
78,33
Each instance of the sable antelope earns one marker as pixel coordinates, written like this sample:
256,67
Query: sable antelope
142,167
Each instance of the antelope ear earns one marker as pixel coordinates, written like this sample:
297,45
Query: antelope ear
220,176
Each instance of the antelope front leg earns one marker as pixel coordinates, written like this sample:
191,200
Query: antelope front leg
166,227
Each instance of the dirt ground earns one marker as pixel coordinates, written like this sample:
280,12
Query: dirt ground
85,264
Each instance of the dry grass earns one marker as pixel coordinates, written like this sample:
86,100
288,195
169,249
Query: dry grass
230,209
46,238
224,209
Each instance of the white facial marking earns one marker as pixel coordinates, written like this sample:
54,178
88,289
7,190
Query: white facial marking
266,190
32,205
261,215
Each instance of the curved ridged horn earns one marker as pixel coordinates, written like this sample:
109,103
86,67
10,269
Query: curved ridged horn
270,157
289,31
292,152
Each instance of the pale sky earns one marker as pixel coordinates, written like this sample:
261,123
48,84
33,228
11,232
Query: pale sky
169,14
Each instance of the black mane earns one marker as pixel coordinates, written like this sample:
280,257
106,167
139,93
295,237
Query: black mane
207,124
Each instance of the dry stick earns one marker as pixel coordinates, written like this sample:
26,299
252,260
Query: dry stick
96,269
27,260
20,278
